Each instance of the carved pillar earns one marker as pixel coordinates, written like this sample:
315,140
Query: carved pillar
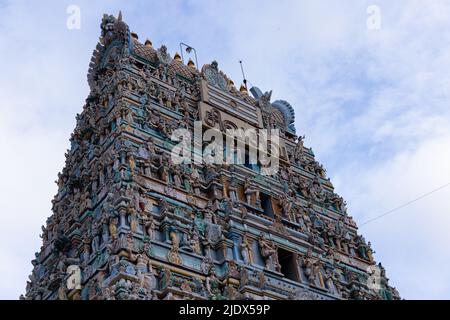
235,238
123,217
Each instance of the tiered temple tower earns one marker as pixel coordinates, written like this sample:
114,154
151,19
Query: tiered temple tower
128,223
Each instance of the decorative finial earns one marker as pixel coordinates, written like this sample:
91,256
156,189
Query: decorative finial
243,89
134,35
215,65
191,63
148,43
119,18
177,57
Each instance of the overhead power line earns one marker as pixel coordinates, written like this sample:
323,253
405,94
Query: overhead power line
405,204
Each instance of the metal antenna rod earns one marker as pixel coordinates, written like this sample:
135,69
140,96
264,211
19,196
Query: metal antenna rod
188,50
243,75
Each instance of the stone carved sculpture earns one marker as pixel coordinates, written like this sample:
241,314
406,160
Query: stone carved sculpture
267,251
246,251
251,193
214,76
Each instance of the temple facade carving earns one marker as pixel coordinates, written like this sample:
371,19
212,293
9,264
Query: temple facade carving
129,223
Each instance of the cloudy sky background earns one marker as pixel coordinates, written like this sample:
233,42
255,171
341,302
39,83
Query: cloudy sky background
373,104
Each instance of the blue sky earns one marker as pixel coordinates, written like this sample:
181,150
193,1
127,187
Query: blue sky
373,104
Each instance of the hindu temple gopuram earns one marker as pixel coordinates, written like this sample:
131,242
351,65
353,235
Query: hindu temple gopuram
129,223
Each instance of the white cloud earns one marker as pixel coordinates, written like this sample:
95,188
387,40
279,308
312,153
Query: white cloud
411,242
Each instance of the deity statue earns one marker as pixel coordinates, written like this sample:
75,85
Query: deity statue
86,248
210,172
107,293
133,219
302,219
362,247
213,285
196,184
232,189
317,223
264,102
130,246
267,250
176,173
95,233
112,228
249,191
309,266
209,214
104,220
330,280
303,188
298,149
174,239
316,190
228,207
246,250
243,210
286,206
370,252
194,240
